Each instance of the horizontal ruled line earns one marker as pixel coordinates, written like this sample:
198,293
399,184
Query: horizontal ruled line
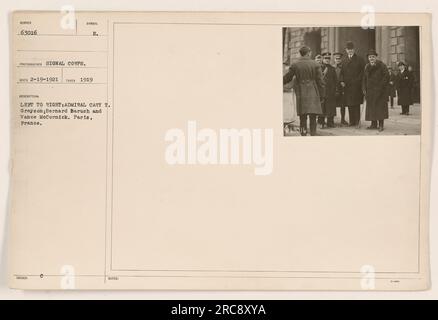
36,50
61,83
218,276
62,35
58,67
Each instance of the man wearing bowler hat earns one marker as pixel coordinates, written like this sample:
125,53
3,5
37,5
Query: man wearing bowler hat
375,88
351,80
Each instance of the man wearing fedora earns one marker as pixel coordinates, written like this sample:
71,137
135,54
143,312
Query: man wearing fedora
351,80
405,86
375,89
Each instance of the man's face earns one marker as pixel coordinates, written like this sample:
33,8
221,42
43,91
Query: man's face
350,51
337,59
372,59
326,60
318,59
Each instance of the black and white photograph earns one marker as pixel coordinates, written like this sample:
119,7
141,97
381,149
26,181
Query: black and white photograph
351,81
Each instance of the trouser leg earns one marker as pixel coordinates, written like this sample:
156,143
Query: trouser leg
312,120
381,122
407,109
357,114
330,122
354,114
321,118
392,101
350,115
343,121
303,124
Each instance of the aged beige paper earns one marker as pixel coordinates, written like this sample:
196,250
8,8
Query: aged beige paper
159,151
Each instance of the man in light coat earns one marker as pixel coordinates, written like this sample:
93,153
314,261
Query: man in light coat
309,89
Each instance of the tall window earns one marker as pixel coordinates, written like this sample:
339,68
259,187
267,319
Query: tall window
313,41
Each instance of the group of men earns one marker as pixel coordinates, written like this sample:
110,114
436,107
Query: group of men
321,87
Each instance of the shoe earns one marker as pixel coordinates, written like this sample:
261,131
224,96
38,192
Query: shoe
402,113
371,127
381,129
303,131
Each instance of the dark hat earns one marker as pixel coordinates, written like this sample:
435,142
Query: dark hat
349,45
318,56
372,52
340,54
401,64
326,54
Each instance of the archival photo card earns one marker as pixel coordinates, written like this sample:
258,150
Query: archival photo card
164,151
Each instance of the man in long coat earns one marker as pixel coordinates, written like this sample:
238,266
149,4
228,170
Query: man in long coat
329,102
309,88
375,86
405,84
340,101
351,79
392,86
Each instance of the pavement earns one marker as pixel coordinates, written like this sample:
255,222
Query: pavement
396,124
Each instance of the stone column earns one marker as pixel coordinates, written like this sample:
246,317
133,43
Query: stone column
383,45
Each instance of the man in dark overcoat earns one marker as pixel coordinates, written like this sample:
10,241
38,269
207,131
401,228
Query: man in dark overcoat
405,84
309,87
339,89
329,101
392,86
351,79
375,87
